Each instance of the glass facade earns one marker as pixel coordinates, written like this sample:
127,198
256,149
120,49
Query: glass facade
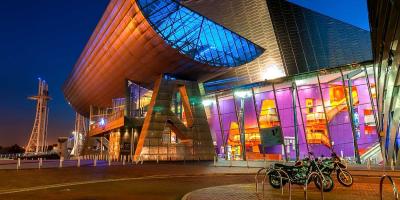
319,112
196,36
311,41
384,21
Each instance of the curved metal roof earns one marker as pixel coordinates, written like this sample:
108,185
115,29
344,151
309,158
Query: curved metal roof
197,36
130,43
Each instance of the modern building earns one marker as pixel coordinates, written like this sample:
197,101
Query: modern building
296,40
174,80
384,23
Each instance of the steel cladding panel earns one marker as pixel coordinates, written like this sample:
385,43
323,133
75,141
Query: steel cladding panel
296,39
311,41
125,45
250,19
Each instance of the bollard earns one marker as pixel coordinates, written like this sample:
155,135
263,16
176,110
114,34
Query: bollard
392,165
141,160
157,159
61,162
40,163
109,162
247,163
368,163
137,160
78,164
95,161
123,160
230,162
215,161
265,162
18,163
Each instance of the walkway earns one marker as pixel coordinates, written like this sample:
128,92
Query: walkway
368,190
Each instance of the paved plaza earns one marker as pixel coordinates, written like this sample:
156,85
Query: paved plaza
364,188
166,180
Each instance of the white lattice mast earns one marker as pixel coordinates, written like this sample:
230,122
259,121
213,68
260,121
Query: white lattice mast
79,134
37,141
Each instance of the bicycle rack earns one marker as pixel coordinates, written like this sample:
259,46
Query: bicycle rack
288,178
268,171
258,173
322,179
395,191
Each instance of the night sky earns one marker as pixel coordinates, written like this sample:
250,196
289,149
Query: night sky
40,38
44,38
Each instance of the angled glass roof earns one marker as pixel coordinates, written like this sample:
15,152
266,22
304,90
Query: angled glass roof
197,36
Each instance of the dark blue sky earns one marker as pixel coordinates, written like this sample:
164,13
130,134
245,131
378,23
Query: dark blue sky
351,11
44,38
40,38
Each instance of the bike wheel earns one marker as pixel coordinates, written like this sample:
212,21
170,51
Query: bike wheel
275,180
344,177
328,183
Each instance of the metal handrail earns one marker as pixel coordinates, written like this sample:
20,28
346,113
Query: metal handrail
395,191
322,184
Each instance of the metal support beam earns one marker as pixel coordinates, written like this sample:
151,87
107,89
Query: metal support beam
242,128
279,117
296,129
349,101
324,108
301,114
221,127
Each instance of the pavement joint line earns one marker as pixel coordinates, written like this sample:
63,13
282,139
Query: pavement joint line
27,189
42,187
186,196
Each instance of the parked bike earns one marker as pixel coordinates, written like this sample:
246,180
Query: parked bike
334,163
298,174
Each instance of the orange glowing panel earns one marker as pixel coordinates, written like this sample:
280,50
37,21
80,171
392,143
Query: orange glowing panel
186,106
114,145
373,90
369,122
147,119
234,138
336,94
354,94
309,105
318,137
268,115
252,135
